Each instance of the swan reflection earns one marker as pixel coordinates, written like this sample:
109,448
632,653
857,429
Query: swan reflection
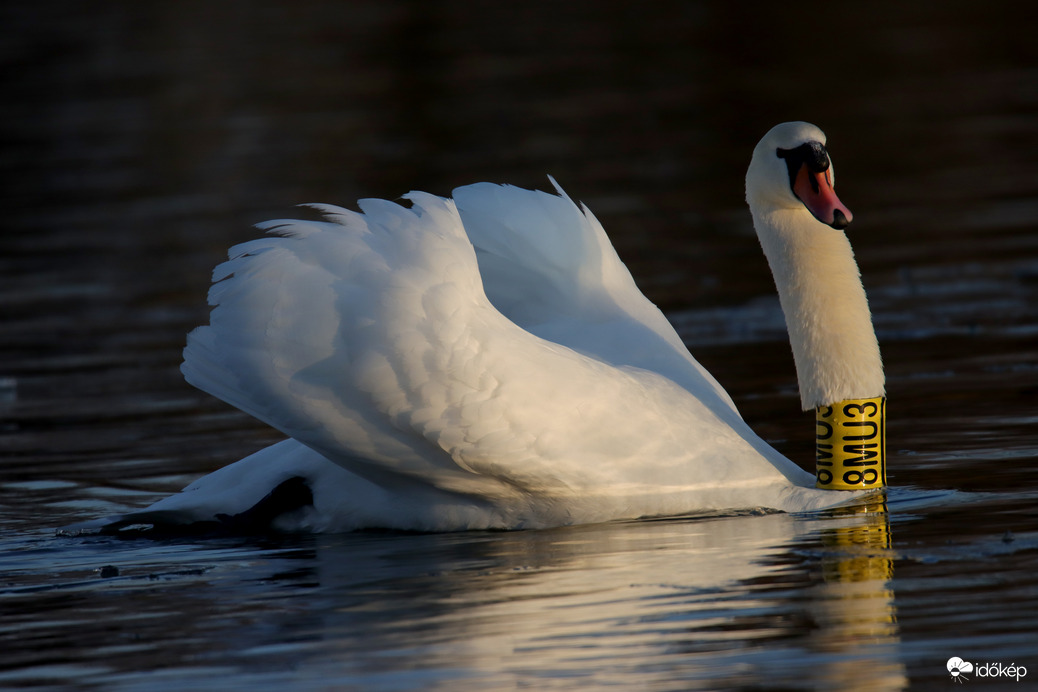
708,601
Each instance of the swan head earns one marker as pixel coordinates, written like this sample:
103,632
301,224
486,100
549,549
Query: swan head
791,169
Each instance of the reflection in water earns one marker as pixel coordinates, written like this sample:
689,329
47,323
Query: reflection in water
854,606
637,605
697,603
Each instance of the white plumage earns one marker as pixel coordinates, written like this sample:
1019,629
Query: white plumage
481,362
827,314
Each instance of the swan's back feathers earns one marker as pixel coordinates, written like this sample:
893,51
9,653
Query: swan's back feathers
369,338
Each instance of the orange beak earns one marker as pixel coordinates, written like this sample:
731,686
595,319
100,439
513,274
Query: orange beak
815,190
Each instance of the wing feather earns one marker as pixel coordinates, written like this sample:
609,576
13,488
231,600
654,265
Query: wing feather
549,266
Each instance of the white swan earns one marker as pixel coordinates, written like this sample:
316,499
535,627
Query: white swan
488,362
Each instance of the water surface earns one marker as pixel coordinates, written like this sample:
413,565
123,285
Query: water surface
143,139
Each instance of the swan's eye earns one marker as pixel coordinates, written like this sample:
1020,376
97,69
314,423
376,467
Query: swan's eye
810,154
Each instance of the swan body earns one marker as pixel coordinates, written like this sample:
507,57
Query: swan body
487,361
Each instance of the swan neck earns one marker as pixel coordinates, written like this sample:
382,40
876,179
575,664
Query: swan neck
827,313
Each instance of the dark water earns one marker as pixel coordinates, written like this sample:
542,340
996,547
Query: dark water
140,140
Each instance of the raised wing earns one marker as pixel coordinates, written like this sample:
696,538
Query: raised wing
549,266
